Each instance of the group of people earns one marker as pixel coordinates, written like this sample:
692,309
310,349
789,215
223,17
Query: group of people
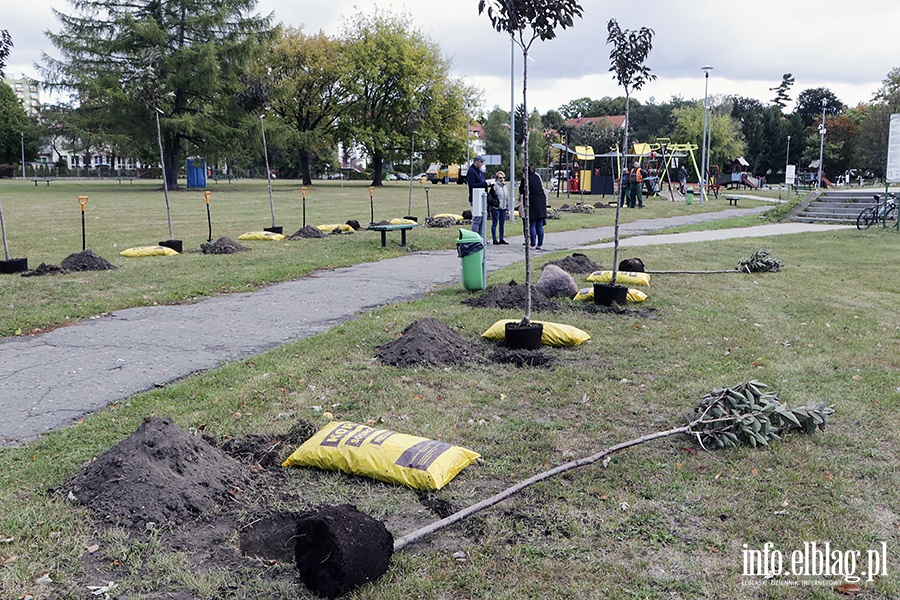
498,201
631,186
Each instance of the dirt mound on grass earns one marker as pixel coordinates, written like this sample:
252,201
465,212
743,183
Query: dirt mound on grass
427,342
79,261
160,474
511,296
223,245
577,263
86,260
307,232
44,269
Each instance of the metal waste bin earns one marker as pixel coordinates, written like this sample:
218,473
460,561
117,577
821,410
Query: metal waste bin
689,197
470,248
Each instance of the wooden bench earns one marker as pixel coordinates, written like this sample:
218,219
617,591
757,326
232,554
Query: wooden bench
130,180
216,178
732,200
402,228
39,179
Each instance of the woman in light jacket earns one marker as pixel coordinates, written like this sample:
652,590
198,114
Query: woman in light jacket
499,212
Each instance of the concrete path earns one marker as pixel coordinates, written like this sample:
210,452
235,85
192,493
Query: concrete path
50,380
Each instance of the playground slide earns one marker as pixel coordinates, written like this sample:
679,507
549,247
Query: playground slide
826,182
750,181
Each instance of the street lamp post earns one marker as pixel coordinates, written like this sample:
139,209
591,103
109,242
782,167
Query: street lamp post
22,134
821,148
703,170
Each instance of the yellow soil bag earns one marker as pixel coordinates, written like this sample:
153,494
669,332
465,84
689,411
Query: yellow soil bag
330,228
553,334
626,277
260,236
587,294
139,251
399,221
393,457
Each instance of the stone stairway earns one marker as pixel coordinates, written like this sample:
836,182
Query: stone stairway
837,206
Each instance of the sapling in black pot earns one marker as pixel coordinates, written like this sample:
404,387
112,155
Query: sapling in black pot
629,51
526,21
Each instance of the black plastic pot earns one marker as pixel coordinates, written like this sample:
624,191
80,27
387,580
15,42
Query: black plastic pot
175,245
524,337
607,294
13,265
277,229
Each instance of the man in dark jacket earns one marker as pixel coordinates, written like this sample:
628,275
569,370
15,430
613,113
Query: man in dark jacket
475,180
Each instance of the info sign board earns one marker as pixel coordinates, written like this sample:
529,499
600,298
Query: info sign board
893,155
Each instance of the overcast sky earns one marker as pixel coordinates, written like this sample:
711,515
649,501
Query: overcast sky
843,46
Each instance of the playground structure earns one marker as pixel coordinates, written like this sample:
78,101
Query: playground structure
577,173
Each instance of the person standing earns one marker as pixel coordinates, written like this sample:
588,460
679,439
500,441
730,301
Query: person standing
635,183
537,209
475,180
501,210
623,187
682,180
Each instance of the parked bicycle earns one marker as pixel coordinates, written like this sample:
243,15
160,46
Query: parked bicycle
884,211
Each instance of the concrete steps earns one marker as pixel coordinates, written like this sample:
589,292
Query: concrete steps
837,207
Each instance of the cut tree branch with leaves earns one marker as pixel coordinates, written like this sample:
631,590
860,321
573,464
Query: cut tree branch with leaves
527,21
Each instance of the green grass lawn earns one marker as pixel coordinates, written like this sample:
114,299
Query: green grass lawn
43,224
664,520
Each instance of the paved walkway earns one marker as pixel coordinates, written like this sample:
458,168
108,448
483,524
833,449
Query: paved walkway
50,380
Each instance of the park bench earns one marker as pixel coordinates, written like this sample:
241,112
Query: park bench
37,180
732,200
130,180
216,178
402,228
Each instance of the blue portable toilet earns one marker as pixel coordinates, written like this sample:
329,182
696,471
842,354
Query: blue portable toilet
196,172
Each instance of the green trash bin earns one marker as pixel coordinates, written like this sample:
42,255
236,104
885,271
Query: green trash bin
470,248
689,197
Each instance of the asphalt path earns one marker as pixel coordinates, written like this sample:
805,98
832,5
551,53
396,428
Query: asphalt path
48,381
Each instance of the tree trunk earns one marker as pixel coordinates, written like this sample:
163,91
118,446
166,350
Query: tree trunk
170,156
304,168
377,168
526,223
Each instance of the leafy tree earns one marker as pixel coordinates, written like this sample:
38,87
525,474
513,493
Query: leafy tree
889,85
393,72
496,135
872,141
527,21
725,139
781,91
629,52
587,107
810,103
650,121
6,45
182,59
553,119
309,91
13,122
763,131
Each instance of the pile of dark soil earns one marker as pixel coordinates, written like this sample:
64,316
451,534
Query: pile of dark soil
427,342
160,474
577,263
223,245
443,222
511,296
86,260
308,232
44,269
